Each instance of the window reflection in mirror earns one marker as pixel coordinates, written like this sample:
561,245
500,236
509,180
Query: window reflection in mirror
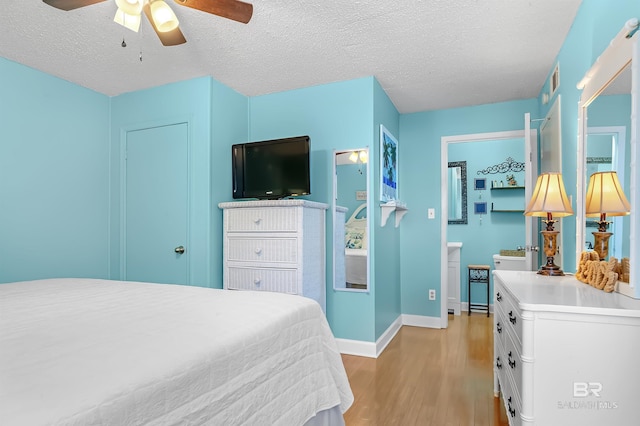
457,187
351,225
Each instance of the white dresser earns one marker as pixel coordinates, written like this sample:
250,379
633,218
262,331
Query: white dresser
275,246
565,353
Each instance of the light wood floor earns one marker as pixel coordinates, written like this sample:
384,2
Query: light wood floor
428,377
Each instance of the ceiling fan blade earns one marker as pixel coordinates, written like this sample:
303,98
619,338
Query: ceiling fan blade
71,4
235,10
168,38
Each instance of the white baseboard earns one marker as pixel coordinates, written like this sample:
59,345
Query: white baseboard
420,321
357,347
373,350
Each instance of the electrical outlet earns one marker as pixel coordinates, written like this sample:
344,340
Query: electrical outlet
432,294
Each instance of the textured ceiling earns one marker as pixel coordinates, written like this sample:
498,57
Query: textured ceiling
426,54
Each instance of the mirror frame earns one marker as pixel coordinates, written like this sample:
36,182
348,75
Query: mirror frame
334,208
622,51
463,176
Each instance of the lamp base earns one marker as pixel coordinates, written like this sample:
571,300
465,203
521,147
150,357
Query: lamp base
550,269
550,249
601,244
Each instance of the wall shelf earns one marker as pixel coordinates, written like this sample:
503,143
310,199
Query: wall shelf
390,206
497,188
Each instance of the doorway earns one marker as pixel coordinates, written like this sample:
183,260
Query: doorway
530,160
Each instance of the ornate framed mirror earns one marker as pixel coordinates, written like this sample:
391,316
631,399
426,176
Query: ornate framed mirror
612,80
457,192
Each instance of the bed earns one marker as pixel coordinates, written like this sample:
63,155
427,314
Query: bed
356,247
99,352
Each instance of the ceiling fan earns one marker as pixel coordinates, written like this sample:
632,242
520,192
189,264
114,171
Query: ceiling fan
160,15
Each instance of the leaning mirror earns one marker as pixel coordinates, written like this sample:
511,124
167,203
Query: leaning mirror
457,187
350,220
606,133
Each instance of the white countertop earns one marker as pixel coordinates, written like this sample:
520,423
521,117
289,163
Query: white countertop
564,294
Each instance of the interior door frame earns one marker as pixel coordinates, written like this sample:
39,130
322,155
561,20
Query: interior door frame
531,164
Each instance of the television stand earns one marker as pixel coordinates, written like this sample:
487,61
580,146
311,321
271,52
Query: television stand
275,245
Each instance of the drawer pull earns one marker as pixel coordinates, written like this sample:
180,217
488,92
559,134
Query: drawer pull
512,411
512,318
257,282
499,297
257,221
498,363
512,362
258,250
499,328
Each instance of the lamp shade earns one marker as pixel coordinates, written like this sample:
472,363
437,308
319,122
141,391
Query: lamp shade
549,196
130,7
605,195
131,22
163,16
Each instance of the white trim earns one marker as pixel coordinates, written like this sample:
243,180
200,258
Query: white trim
357,347
388,336
421,321
373,350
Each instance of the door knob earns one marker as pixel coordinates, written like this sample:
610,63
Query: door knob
179,249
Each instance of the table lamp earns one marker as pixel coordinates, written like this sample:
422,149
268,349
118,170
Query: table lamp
549,199
605,197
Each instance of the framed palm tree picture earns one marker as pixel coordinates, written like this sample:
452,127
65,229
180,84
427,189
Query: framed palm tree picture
388,166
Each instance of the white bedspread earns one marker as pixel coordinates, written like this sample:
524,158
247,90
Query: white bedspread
98,352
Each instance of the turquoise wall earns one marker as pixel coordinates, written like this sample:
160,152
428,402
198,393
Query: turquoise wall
420,140
216,118
54,174
174,103
487,234
386,250
335,116
596,24
61,174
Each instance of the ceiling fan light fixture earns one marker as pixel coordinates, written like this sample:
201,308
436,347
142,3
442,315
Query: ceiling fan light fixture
163,16
131,22
130,7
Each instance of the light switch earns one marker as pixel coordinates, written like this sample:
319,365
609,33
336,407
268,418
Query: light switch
431,213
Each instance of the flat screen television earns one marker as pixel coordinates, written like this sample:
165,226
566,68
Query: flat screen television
271,169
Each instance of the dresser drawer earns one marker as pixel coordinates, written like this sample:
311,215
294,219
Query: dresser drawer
281,219
263,279
512,314
511,402
270,250
513,364
499,326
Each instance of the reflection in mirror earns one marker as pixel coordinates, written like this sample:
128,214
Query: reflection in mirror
351,226
606,150
457,184
606,147
604,143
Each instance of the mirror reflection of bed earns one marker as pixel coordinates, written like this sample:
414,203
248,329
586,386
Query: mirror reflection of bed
356,248
350,224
